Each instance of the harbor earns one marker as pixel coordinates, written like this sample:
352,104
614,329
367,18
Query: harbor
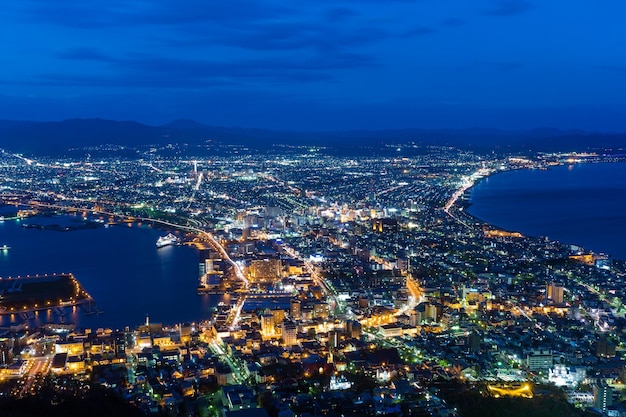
42,292
120,266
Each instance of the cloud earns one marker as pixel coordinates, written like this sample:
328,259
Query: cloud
168,72
505,8
453,22
286,36
83,54
417,31
340,14
116,13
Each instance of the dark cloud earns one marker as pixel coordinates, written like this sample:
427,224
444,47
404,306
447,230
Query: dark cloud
84,54
172,12
453,22
114,13
506,8
284,36
152,71
417,31
82,14
340,14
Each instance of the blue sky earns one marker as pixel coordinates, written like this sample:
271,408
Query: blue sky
318,64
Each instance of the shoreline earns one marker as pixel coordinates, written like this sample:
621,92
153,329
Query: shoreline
461,205
158,225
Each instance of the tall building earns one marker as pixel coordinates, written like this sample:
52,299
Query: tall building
353,329
539,360
385,225
555,293
294,309
602,396
333,339
290,333
474,340
6,356
605,348
267,325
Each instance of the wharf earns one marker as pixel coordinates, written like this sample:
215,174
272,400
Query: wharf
33,293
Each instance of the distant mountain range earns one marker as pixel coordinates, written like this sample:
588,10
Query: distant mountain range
30,137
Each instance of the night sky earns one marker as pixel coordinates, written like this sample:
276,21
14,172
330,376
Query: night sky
318,64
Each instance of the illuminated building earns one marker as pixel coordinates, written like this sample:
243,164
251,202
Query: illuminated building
267,325
72,348
385,225
523,390
353,328
555,293
391,330
333,339
290,333
433,312
562,375
294,309
539,360
265,269
602,396
6,357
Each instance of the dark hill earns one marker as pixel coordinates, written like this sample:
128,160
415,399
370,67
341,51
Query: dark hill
56,137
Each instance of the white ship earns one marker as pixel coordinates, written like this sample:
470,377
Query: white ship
170,239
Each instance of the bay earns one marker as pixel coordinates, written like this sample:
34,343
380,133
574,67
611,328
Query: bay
582,204
119,266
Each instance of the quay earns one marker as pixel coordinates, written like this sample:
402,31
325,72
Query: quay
41,292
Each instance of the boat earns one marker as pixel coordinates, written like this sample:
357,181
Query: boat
5,247
169,239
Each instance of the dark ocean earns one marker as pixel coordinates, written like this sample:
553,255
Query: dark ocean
119,266
582,204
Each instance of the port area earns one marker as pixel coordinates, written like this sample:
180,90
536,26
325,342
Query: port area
42,292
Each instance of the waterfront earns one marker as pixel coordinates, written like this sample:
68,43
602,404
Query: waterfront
581,204
120,266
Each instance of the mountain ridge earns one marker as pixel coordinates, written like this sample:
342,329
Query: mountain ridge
56,136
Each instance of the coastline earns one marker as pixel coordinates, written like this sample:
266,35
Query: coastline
119,266
204,302
459,209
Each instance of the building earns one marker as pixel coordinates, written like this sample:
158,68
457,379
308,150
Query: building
267,269
555,293
6,356
474,341
605,348
385,225
569,376
290,333
294,309
353,329
602,396
267,325
539,360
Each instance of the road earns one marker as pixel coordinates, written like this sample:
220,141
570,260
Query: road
38,367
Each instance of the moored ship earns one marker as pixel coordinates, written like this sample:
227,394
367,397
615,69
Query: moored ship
169,239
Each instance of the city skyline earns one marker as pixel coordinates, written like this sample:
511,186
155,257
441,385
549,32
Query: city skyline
398,208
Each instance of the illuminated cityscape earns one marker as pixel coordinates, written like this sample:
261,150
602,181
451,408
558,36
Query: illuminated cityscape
346,208
347,285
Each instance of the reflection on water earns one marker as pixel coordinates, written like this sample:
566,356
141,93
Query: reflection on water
119,266
580,204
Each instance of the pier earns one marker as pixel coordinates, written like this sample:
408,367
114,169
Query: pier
41,292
